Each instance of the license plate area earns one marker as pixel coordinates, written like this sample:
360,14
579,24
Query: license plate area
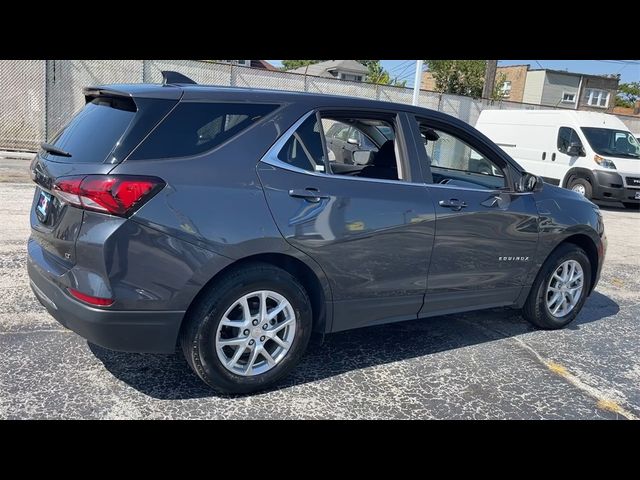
637,197
43,206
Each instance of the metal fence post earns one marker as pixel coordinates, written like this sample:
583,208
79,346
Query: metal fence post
46,97
232,77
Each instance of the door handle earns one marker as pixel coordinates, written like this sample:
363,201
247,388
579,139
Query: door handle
454,204
309,194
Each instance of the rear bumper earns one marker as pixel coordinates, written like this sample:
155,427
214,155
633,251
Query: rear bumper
129,331
610,186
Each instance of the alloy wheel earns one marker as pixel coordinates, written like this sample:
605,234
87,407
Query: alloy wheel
564,288
255,333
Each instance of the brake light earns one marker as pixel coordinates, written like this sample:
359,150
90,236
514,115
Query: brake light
114,194
97,301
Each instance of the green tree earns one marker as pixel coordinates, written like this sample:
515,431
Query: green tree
462,77
292,64
628,94
379,75
497,87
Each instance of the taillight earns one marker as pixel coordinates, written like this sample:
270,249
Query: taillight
97,301
114,194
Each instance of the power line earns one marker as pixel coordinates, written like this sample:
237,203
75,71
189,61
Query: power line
400,65
626,62
406,72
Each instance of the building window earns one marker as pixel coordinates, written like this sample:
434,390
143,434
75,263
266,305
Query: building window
597,98
505,89
350,77
568,97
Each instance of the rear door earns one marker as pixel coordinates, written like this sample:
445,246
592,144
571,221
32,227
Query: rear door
371,237
96,138
486,234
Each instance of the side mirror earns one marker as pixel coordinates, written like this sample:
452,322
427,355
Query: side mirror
353,141
529,183
576,150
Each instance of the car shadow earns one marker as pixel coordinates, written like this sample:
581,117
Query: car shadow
168,377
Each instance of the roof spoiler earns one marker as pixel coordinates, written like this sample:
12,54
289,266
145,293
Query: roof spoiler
169,77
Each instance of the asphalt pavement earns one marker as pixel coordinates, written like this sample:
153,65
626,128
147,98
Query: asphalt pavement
482,365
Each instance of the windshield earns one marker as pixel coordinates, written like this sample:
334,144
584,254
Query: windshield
615,143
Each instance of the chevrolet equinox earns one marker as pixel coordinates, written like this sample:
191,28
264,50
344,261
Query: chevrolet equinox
223,222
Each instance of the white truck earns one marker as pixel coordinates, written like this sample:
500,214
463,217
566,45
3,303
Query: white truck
591,153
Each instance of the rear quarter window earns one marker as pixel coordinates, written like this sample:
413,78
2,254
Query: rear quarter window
94,131
194,128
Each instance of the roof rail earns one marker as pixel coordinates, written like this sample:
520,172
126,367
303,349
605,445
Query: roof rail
170,77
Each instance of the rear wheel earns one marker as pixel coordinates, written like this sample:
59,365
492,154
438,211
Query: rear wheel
249,330
560,290
581,186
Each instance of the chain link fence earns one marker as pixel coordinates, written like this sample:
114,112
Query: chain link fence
22,104
38,97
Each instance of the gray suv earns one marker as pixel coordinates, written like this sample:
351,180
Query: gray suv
211,219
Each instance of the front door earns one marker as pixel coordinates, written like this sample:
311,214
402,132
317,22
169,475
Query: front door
561,161
486,234
372,237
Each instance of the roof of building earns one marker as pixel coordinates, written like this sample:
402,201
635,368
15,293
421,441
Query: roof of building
319,68
565,72
266,65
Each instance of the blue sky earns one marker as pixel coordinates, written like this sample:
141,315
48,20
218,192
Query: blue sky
629,70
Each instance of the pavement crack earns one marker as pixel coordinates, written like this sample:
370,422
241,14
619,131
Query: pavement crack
44,330
603,401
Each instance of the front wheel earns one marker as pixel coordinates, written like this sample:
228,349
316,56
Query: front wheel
249,330
560,289
581,186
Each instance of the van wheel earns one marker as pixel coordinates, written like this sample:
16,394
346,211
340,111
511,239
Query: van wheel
582,186
249,330
560,289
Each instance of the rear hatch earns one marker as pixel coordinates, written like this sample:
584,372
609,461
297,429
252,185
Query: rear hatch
112,123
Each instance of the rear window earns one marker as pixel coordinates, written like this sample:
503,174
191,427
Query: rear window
92,134
194,128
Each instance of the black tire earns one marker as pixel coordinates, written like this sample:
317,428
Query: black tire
535,309
631,206
197,336
588,191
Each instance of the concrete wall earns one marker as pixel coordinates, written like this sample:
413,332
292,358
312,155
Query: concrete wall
533,87
555,85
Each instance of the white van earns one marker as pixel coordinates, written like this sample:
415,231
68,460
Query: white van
591,153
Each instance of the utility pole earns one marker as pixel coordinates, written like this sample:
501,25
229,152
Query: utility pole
417,82
489,78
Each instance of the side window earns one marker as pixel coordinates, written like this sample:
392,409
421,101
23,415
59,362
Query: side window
195,127
567,136
304,148
343,133
452,160
372,155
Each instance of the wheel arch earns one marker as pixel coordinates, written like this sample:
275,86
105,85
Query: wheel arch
577,172
586,243
313,281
